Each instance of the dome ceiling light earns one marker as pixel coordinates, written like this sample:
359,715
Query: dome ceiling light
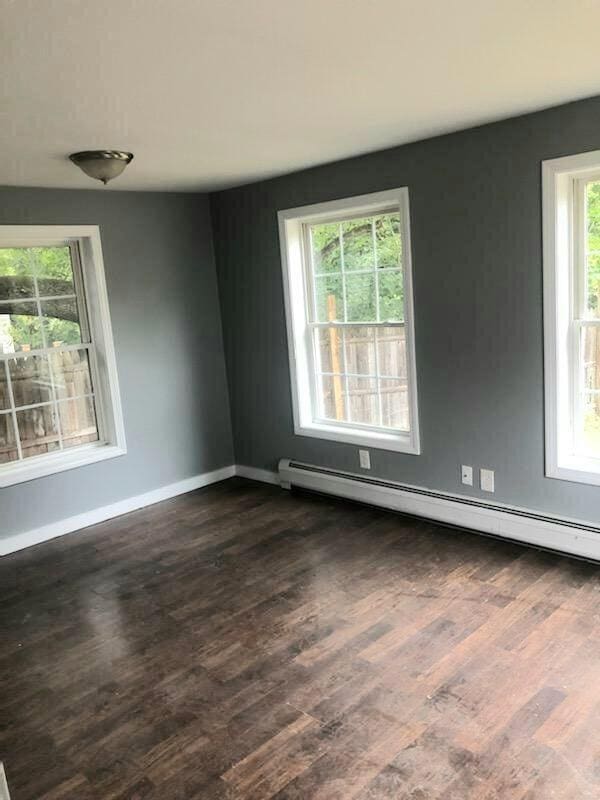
103,165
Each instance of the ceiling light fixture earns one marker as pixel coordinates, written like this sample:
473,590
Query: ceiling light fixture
103,165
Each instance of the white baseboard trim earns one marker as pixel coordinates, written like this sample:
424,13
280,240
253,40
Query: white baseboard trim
4,795
27,539
255,474
562,534
572,536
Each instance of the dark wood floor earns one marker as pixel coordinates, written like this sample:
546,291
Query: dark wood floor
245,642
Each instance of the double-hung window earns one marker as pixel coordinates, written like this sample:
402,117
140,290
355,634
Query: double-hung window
59,399
347,278
571,197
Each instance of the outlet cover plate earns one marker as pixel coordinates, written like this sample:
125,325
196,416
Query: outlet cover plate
486,480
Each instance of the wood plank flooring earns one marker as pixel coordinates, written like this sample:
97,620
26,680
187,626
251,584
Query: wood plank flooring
246,642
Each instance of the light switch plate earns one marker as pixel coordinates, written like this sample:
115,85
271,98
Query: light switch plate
486,480
365,459
466,475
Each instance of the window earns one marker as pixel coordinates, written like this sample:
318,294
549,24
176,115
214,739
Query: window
347,276
571,188
59,400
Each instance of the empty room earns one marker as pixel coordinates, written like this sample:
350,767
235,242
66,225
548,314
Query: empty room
299,400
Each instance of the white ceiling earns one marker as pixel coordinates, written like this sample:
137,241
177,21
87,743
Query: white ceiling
213,93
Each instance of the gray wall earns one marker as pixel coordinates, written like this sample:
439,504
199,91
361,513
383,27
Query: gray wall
167,331
477,258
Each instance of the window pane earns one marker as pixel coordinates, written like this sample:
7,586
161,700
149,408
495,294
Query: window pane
593,285
360,351
330,305
50,265
8,445
4,397
38,430
391,297
20,327
591,424
332,397
16,273
360,298
330,349
363,401
71,371
53,270
78,421
590,342
61,320
391,343
593,248
394,404
388,240
359,252
325,244
30,378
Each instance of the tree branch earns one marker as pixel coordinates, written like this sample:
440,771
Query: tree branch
17,290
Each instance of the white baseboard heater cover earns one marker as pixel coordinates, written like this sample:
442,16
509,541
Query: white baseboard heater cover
571,536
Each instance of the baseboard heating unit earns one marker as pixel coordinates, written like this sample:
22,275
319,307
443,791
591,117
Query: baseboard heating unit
571,536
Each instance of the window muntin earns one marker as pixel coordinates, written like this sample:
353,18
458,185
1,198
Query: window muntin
59,402
347,269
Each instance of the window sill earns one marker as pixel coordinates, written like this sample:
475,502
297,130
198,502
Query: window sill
397,442
42,466
579,469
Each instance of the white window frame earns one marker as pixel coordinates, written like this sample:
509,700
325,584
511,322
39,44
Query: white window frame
294,260
564,303
84,240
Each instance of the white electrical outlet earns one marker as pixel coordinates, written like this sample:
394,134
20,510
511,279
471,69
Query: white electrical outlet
365,459
466,475
486,480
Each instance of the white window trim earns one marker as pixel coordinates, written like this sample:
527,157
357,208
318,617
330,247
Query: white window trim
559,176
108,403
295,291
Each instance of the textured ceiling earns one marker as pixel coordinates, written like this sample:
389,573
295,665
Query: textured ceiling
210,94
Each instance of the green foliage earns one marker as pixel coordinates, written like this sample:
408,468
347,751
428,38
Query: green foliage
389,241
61,330
360,297
44,262
591,428
357,238
51,268
365,244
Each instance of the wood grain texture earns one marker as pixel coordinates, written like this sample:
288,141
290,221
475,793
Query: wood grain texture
242,642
